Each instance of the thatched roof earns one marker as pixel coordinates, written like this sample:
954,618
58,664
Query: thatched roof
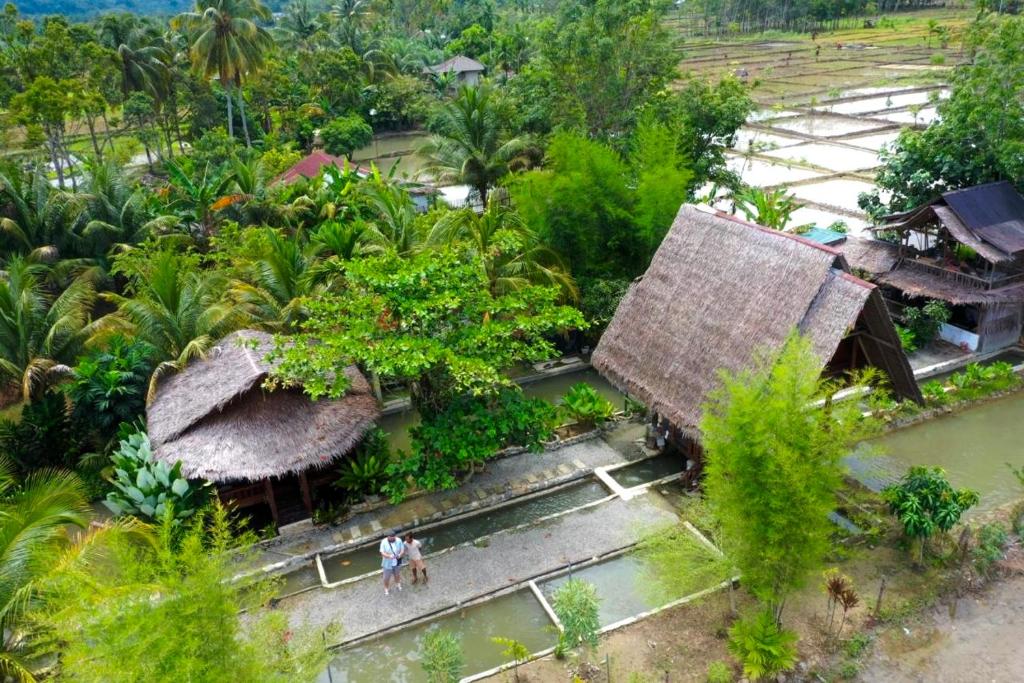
458,64
719,290
913,282
987,218
871,256
218,420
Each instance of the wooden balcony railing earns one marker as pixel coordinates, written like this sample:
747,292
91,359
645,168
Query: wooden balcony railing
966,279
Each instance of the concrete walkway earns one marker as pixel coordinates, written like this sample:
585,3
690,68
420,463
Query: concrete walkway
469,572
502,479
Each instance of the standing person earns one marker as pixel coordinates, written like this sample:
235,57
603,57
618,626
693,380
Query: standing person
413,549
391,551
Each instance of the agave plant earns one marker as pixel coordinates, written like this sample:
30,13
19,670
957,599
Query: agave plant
585,406
144,486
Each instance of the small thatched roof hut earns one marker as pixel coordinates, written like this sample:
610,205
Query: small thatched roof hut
718,290
218,420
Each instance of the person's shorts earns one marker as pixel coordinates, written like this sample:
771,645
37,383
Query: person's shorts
418,564
391,572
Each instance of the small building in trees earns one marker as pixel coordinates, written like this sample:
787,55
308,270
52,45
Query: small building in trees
466,71
315,163
273,449
721,290
965,248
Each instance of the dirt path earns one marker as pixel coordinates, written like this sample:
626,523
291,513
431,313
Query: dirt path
981,644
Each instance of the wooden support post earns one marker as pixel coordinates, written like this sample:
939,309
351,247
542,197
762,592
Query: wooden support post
269,488
307,498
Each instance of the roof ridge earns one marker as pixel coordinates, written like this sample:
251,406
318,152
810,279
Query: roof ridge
704,208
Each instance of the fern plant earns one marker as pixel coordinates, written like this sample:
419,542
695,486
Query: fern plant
762,648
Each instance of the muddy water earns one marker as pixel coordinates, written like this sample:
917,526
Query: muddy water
972,446
365,560
824,126
832,157
396,658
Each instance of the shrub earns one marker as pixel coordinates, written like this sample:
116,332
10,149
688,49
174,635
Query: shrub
145,487
577,606
907,340
585,406
514,651
472,430
108,387
367,470
442,657
977,380
992,538
719,672
924,502
44,436
935,393
344,136
924,323
762,648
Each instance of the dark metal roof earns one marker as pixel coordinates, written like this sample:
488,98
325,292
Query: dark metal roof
995,212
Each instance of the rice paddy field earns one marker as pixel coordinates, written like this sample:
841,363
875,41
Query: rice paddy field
827,107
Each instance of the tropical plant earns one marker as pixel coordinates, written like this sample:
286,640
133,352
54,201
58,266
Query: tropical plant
36,219
40,334
149,488
108,386
585,406
367,470
37,543
907,341
273,285
345,135
771,435
511,254
935,392
770,208
513,650
577,606
761,647
924,323
442,657
992,538
719,672
924,502
470,144
227,43
173,611
841,593
178,311
43,436
197,200
977,380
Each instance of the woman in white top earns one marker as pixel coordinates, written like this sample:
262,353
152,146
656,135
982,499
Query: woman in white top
413,552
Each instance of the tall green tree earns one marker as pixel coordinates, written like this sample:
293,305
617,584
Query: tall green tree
773,448
228,43
430,322
41,333
471,145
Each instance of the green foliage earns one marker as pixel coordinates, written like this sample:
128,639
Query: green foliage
925,503
761,647
677,563
923,323
345,135
857,644
599,299
719,672
977,380
169,610
992,538
935,393
441,657
513,651
108,386
770,208
470,431
149,488
584,405
43,437
366,471
773,451
980,131
907,340
576,604
430,322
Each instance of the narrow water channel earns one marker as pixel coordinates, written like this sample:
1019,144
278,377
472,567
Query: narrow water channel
619,587
647,470
357,562
973,447
396,658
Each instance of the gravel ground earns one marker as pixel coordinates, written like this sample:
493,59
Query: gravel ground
469,572
516,468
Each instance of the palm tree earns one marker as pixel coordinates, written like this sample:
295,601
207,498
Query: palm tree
298,26
36,217
198,199
394,225
229,44
40,334
177,310
770,208
351,18
512,256
144,68
274,287
37,545
470,145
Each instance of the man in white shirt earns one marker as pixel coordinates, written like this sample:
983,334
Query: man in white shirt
391,551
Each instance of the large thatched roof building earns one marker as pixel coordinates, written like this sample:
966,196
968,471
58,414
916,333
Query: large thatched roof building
258,446
966,248
717,292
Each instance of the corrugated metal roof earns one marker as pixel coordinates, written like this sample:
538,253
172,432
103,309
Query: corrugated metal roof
994,212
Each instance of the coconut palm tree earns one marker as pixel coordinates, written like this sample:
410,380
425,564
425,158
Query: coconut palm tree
227,43
198,199
512,256
179,311
40,334
144,67
37,545
470,145
298,26
274,287
35,217
394,226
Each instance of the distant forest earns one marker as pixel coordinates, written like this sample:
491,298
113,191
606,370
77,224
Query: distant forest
80,9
